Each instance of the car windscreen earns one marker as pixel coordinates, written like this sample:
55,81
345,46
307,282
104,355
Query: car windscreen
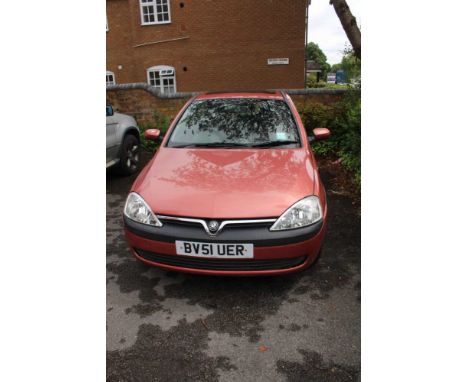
236,122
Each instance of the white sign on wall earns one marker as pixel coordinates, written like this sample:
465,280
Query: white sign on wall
278,61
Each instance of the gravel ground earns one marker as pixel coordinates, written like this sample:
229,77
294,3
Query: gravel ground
164,326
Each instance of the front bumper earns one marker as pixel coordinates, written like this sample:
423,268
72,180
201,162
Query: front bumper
275,253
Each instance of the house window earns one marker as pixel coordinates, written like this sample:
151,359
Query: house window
163,78
155,12
110,78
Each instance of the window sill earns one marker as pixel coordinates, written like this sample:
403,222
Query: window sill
158,23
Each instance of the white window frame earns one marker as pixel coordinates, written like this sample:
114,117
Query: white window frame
164,70
154,4
109,73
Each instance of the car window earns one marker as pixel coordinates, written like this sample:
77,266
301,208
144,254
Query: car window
236,122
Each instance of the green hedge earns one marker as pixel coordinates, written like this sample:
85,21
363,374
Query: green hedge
161,122
344,121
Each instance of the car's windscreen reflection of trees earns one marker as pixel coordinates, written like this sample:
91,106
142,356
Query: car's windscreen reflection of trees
238,120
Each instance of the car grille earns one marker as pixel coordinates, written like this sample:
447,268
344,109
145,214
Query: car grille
231,225
221,265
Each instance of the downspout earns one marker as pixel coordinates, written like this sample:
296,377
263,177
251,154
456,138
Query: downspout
305,46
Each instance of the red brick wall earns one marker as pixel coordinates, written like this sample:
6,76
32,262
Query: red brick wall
227,46
141,104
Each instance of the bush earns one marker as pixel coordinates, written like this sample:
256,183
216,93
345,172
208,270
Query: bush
344,121
312,83
161,122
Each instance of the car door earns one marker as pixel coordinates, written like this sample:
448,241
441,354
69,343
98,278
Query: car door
111,137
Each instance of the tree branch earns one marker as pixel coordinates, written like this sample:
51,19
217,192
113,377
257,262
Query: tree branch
348,21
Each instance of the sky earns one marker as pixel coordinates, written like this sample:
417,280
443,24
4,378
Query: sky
325,28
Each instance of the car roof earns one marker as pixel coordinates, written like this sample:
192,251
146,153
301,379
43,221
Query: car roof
249,94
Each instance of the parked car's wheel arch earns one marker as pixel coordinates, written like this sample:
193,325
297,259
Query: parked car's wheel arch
133,131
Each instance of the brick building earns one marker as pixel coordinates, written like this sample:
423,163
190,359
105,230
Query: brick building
201,45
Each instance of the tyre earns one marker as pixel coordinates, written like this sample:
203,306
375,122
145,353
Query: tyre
129,155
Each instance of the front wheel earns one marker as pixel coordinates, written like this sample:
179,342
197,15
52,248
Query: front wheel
130,155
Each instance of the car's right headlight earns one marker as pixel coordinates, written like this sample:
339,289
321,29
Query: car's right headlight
305,212
137,210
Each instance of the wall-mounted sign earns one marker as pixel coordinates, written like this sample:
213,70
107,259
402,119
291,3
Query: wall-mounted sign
278,61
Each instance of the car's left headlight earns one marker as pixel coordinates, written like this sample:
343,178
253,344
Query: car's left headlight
137,209
305,212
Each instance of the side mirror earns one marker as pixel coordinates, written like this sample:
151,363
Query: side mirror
319,134
109,111
153,134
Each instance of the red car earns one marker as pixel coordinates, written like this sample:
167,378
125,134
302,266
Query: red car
233,190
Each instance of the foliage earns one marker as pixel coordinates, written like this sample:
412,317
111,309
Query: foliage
344,121
314,53
352,66
312,83
337,86
161,122
335,67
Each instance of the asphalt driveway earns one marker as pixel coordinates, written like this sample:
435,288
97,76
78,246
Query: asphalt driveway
164,326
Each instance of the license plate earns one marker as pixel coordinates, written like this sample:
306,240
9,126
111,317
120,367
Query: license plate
214,250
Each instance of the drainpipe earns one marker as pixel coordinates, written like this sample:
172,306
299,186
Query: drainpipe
305,47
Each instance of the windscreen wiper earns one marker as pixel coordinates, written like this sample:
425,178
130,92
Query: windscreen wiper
212,144
274,143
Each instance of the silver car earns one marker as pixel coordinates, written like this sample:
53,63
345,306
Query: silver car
122,142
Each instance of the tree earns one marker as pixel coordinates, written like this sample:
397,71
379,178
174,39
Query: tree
348,21
314,53
351,65
335,67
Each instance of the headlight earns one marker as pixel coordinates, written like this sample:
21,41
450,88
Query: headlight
137,209
305,212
